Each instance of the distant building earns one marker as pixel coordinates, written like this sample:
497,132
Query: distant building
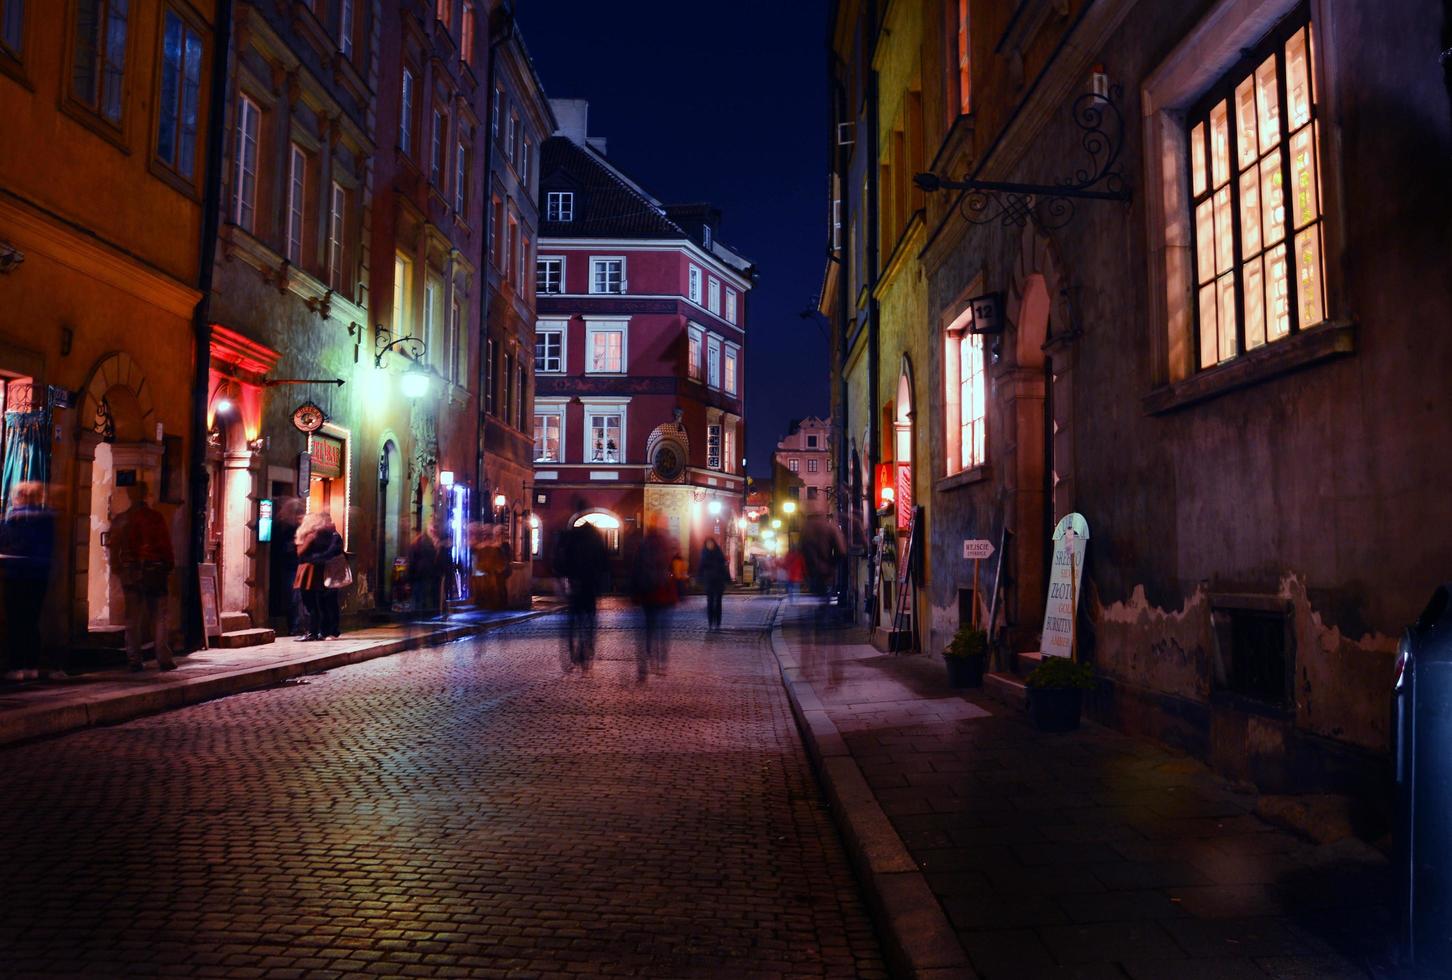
639,356
802,466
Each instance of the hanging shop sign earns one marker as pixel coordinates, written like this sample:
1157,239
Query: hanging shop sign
326,454
987,313
1071,538
308,417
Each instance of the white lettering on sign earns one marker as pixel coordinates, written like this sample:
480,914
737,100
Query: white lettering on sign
977,549
1071,538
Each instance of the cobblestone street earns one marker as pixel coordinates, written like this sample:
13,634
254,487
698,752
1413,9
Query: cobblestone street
466,810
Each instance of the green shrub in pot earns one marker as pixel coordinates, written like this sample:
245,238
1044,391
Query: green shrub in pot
1061,673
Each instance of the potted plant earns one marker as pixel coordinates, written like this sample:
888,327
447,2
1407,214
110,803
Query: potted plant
965,656
1056,693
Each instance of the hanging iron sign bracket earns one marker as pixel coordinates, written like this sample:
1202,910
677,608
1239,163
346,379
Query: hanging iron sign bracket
1051,205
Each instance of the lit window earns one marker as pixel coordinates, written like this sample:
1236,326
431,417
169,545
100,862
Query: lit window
405,114
607,275
606,431
693,284
812,465
337,209
965,396
794,465
607,348
693,353
466,34
728,449
1255,201
244,189
549,275
536,535
731,361
181,81
432,291
442,9
965,61
297,183
730,305
100,56
401,274
560,206
713,295
549,349
713,362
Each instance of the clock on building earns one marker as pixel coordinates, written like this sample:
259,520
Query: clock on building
669,463
308,417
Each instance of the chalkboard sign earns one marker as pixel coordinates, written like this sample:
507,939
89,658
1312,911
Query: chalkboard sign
211,600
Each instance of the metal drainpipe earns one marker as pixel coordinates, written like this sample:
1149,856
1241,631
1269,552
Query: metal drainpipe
202,325
496,39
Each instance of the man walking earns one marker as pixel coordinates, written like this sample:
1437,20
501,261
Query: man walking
141,556
581,560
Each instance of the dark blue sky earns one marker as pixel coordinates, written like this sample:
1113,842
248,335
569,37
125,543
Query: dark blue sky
720,102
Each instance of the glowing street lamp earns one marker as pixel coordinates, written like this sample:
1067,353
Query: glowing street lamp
789,507
776,522
714,507
414,384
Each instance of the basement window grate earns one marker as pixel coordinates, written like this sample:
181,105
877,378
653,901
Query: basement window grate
1254,656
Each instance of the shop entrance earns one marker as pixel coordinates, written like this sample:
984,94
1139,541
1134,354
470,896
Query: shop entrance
390,510
122,460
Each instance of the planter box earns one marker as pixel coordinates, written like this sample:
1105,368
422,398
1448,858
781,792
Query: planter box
1055,709
965,671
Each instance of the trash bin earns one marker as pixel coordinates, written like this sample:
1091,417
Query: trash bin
1424,786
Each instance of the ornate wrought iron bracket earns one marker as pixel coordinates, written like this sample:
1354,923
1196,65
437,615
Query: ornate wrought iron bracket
1051,205
412,348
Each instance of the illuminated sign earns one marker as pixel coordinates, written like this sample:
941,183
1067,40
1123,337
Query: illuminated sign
326,455
264,520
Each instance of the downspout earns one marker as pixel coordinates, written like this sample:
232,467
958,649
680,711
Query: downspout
498,35
202,325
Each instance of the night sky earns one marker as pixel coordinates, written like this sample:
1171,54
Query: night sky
722,102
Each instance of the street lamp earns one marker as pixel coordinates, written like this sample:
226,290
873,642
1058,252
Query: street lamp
415,383
714,507
789,507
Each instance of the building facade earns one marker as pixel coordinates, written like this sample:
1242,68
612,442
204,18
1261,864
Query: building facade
802,467
99,289
1213,361
639,357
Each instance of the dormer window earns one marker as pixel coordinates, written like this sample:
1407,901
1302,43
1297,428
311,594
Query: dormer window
706,235
560,206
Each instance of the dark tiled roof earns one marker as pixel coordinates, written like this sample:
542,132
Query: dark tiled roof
607,203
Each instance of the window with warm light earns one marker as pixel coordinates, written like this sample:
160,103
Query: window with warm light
731,361
965,61
693,353
466,34
402,271
794,465
1255,201
965,396
605,344
605,433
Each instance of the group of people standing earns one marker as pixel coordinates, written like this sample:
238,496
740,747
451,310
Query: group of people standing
311,559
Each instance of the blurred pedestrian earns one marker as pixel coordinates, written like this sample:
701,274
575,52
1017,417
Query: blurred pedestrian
27,547
580,562
822,548
493,563
713,574
284,561
680,574
655,593
765,568
318,544
423,573
142,558
794,570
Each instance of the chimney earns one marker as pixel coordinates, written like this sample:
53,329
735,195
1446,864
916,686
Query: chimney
573,116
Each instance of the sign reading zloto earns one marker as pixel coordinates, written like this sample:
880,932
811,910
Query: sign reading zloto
977,549
1071,538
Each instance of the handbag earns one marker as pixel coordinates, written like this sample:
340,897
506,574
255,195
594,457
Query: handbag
337,573
302,579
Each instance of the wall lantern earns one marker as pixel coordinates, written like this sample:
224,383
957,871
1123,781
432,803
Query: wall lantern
789,507
414,383
446,478
500,501
714,507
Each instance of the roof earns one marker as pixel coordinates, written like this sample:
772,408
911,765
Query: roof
609,204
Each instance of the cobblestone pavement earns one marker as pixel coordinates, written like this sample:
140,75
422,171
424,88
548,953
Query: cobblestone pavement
1092,854
466,810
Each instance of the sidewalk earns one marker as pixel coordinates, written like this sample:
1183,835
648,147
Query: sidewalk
36,709
991,849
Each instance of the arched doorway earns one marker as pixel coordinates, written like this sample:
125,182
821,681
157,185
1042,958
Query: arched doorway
231,506
390,506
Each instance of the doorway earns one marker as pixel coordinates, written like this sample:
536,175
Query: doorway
122,460
390,493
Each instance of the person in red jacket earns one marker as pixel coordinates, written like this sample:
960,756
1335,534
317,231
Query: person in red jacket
141,557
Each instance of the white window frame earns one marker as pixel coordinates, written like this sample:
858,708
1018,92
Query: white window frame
461,175
402,273
345,28
433,292
595,326
713,295
794,464
695,359
543,287
813,465
693,284
297,185
730,305
560,206
244,201
561,327
596,261
731,369
713,362
337,237
405,114
552,408
525,245
605,406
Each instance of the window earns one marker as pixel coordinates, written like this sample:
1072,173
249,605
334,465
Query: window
794,465
461,178
730,305
489,375
811,442
436,151
812,465
607,275
496,232
549,275
12,26
431,297
523,259
731,362
402,272
811,493
181,83
244,189
442,10
510,244
560,206
494,112
967,400
728,449
337,240
536,536
693,283
405,114
466,34
511,135
99,56
506,385
456,342
693,353
549,434
606,435
549,349
713,362
297,185
1257,255
521,389
965,61
713,447
713,295
345,28
606,345
525,145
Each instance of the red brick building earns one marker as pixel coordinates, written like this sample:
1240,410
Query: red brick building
639,356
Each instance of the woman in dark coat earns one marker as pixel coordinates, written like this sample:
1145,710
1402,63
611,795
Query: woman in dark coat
27,544
714,575
318,542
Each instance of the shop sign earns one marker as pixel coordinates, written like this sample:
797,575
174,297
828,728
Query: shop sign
977,549
1071,538
987,313
904,496
326,454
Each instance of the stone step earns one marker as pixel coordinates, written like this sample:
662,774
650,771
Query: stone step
106,637
235,621
244,638
1026,661
1006,688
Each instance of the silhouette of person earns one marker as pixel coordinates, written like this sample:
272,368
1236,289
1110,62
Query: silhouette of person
714,574
141,556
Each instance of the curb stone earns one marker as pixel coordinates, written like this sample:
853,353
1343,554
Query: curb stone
48,720
918,939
